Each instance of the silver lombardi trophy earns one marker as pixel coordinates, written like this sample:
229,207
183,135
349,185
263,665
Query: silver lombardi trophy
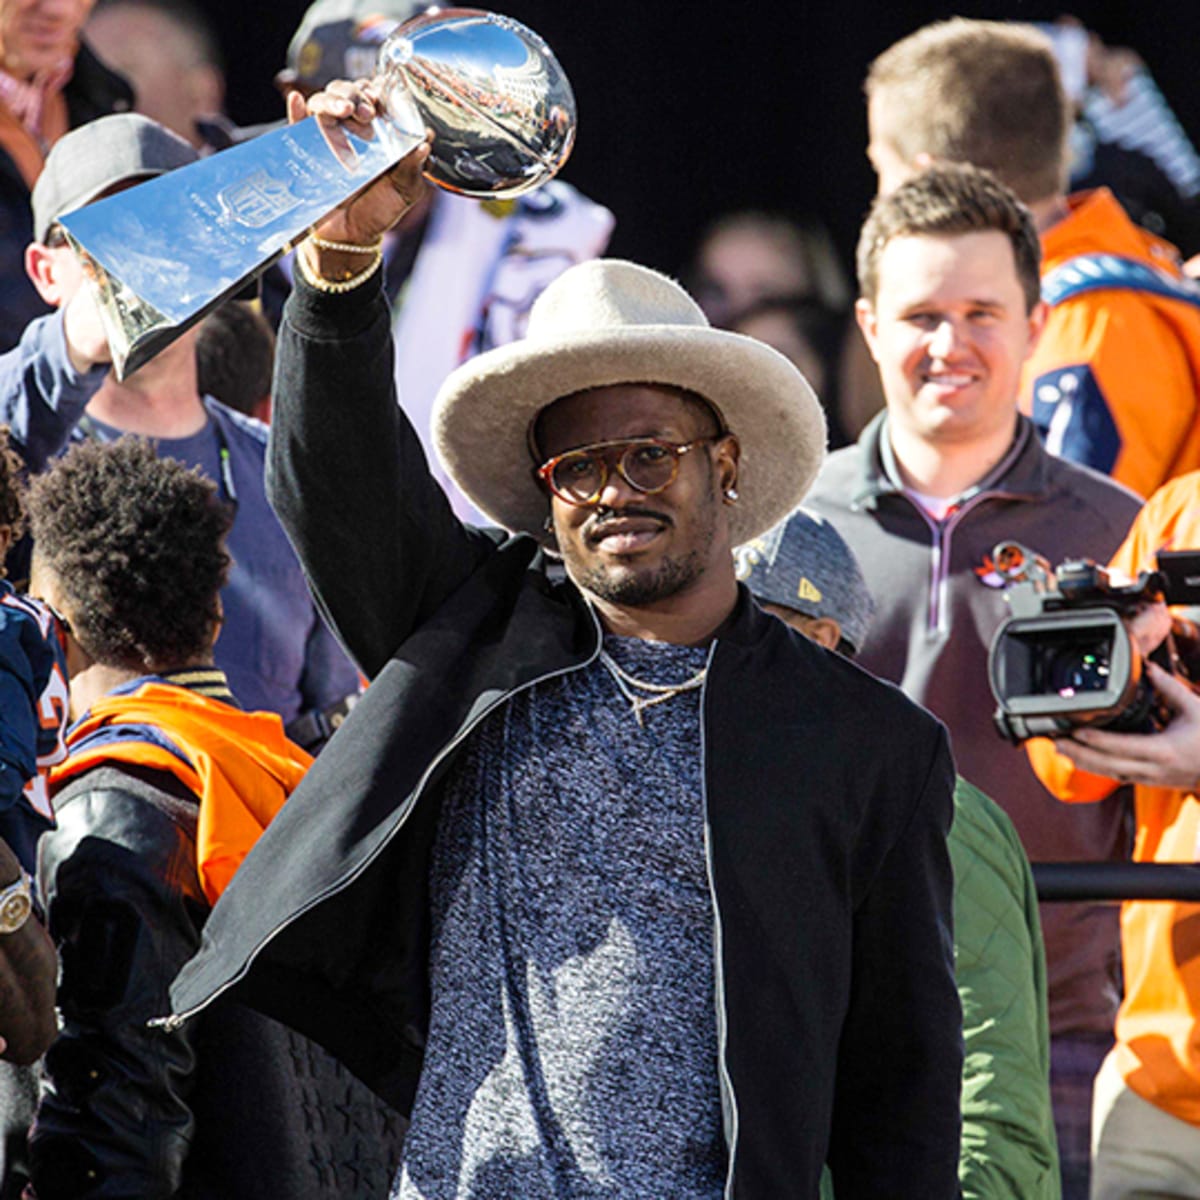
163,254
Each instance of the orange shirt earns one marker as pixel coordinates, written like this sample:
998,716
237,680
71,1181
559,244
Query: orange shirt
239,764
1114,380
1158,1025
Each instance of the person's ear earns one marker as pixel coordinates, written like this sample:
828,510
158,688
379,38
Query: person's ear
41,266
868,322
825,631
728,452
1037,322
43,585
219,623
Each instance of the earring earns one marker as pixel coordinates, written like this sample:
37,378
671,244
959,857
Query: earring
548,524
731,495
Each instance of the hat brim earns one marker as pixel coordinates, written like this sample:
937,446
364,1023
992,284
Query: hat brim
484,409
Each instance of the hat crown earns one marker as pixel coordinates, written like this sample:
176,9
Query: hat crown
91,158
611,294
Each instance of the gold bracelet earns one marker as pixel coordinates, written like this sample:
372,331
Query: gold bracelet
340,285
346,247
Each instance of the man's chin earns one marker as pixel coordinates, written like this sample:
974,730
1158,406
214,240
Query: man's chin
621,584
630,585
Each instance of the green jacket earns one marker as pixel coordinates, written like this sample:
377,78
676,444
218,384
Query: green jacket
1008,1140
1008,1147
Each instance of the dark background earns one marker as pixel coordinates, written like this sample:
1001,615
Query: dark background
690,110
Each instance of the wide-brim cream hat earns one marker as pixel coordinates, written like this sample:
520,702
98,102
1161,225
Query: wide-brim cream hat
607,322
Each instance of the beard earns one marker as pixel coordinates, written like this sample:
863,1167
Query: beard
631,588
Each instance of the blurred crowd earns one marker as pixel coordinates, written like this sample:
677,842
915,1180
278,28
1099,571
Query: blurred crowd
443,750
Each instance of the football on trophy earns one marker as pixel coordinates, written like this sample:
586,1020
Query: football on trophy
499,105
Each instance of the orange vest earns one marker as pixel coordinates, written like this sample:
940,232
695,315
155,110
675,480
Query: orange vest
1158,1025
240,765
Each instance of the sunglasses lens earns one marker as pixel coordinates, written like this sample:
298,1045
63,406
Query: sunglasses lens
578,477
648,468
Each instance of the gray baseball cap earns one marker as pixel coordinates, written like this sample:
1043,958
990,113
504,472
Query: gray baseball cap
340,39
803,563
86,162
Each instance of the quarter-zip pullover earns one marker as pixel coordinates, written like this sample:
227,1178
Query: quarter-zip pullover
938,603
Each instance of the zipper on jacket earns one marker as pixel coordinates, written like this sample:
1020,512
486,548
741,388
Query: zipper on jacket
175,1020
729,1108
939,558
942,531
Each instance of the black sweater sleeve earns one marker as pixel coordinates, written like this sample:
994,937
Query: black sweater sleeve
347,476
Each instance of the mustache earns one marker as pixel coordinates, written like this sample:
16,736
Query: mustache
597,523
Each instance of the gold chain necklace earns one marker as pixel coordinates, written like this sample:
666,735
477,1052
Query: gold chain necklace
659,692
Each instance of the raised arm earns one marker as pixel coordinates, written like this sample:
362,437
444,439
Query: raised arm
346,473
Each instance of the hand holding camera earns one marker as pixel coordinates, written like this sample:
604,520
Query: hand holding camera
1073,653
1169,758
1101,665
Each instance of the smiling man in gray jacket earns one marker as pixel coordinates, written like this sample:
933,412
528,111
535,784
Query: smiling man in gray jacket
618,885
950,307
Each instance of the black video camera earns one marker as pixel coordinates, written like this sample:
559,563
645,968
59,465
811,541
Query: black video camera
1064,658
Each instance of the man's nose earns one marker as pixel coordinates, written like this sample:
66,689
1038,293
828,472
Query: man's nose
616,490
945,339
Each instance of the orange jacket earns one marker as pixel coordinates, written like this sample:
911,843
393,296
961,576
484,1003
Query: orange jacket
1114,380
1158,1025
239,764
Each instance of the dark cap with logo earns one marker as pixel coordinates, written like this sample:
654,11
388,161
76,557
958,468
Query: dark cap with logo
88,161
803,563
340,39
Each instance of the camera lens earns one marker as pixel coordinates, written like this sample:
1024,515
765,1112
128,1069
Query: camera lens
1074,669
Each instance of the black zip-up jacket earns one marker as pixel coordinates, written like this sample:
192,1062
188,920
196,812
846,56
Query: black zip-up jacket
827,794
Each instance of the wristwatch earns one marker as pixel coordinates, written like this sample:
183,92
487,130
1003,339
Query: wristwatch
16,903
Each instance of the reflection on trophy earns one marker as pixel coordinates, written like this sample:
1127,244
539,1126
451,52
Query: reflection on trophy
162,255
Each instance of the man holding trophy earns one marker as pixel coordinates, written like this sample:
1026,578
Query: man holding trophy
595,880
